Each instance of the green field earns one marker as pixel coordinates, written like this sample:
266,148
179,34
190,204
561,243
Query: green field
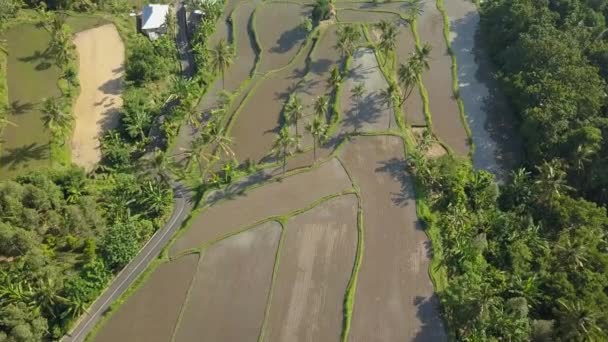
31,77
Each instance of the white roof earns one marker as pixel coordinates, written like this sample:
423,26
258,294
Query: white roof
154,16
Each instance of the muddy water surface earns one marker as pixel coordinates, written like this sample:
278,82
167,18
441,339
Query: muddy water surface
492,123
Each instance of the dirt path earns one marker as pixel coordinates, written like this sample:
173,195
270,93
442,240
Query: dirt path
101,55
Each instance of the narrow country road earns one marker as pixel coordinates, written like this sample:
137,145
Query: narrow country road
182,207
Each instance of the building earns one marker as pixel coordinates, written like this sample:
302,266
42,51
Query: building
154,20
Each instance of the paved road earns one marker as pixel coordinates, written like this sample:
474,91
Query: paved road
182,206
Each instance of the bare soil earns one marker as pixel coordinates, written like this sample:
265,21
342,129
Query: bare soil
372,113
436,150
259,120
228,299
316,261
151,313
438,82
279,33
101,55
394,299
276,198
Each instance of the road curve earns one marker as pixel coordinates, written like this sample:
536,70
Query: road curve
182,206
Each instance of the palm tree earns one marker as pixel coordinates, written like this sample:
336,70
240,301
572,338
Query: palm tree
422,56
389,97
348,37
551,182
334,77
388,38
414,9
320,106
294,111
407,78
283,145
318,129
357,94
197,154
157,165
54,118
222,57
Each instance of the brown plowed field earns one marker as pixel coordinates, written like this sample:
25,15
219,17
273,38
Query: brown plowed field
317,259
228,298
151,313
274,198
394,299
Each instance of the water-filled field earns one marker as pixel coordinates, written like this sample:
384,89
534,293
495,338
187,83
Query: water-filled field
329,247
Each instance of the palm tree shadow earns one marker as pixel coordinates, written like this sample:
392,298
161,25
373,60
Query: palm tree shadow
237,189
18,108
288,40
22,155
396,168
42,58
368,112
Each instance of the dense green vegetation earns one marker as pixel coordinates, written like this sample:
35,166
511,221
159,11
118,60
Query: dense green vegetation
528,260
63,233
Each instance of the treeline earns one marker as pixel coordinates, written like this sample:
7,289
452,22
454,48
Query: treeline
62,235
528,260
523,262
552,58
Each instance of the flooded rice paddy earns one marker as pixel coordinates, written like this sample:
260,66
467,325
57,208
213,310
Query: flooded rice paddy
278,252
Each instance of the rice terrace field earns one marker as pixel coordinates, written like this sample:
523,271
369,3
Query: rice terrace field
328,246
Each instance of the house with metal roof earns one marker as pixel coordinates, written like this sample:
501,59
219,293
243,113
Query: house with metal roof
154,20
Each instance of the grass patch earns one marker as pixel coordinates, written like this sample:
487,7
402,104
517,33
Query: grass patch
31,77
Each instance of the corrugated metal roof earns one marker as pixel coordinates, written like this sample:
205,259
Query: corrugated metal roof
154,16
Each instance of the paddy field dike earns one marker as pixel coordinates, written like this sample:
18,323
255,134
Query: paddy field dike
329,247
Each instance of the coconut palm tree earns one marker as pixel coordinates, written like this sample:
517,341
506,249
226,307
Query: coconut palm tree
334,78
388,38
157,166
422,56
357,94
54,118
320,106
283,146
407,79
294,111
414,9
197,154
551,182
318,129
390,96
222,57
348,37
